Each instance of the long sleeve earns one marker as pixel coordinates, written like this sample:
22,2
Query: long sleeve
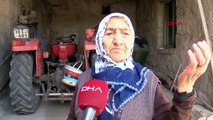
74,113
180,109
71,115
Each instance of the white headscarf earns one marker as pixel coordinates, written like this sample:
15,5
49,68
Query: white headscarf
103,60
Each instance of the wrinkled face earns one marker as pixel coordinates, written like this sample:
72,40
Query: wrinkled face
118,39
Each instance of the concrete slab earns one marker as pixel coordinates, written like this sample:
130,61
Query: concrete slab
54,110
50,110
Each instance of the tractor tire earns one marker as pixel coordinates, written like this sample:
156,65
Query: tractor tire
92,56
22,90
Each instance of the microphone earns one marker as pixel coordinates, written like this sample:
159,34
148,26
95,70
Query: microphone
92,98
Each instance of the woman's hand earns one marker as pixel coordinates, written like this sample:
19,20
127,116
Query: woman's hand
199,58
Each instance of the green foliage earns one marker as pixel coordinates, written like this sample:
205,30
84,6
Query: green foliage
140,53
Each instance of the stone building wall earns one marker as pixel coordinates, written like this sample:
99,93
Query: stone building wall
77,15
150,25
44,13
6,22
4,50
9,11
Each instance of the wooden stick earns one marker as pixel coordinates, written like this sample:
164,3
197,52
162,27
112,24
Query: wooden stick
203,19
176,76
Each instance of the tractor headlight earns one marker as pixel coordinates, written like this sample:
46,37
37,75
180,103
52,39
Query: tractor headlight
21,32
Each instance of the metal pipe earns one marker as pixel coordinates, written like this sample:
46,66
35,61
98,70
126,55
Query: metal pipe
89,113
58,99
56,94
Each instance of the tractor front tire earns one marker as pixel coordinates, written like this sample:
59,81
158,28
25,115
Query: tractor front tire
22,90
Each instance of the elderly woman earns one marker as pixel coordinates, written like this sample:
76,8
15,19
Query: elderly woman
134,91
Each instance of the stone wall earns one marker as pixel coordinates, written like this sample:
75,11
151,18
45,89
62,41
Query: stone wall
44,13
77,15
9,11
149,25
6,23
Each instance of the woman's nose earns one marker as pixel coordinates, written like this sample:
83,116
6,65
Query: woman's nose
117,37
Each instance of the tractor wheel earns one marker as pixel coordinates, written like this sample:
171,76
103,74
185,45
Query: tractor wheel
22,90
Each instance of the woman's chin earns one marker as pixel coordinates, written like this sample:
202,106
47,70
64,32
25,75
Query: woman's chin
118,58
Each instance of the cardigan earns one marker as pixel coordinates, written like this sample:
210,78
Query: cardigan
150,104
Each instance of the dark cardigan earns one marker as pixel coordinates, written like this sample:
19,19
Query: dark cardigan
150,104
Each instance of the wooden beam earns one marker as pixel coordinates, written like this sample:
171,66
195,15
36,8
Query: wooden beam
203,19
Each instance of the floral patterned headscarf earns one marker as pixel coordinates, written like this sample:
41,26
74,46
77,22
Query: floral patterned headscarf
125,79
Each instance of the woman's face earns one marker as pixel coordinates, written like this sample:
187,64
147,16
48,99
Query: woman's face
118,39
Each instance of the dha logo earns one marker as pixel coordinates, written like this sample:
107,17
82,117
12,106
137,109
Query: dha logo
177,23
91,88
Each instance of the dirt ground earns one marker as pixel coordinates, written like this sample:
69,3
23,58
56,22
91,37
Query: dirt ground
48,110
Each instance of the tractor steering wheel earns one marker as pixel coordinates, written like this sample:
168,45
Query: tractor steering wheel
63,40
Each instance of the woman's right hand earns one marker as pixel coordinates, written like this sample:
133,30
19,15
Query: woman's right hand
199,58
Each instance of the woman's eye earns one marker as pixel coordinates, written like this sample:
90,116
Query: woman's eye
126,33
108,33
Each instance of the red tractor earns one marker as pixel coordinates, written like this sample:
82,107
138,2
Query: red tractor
34,75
